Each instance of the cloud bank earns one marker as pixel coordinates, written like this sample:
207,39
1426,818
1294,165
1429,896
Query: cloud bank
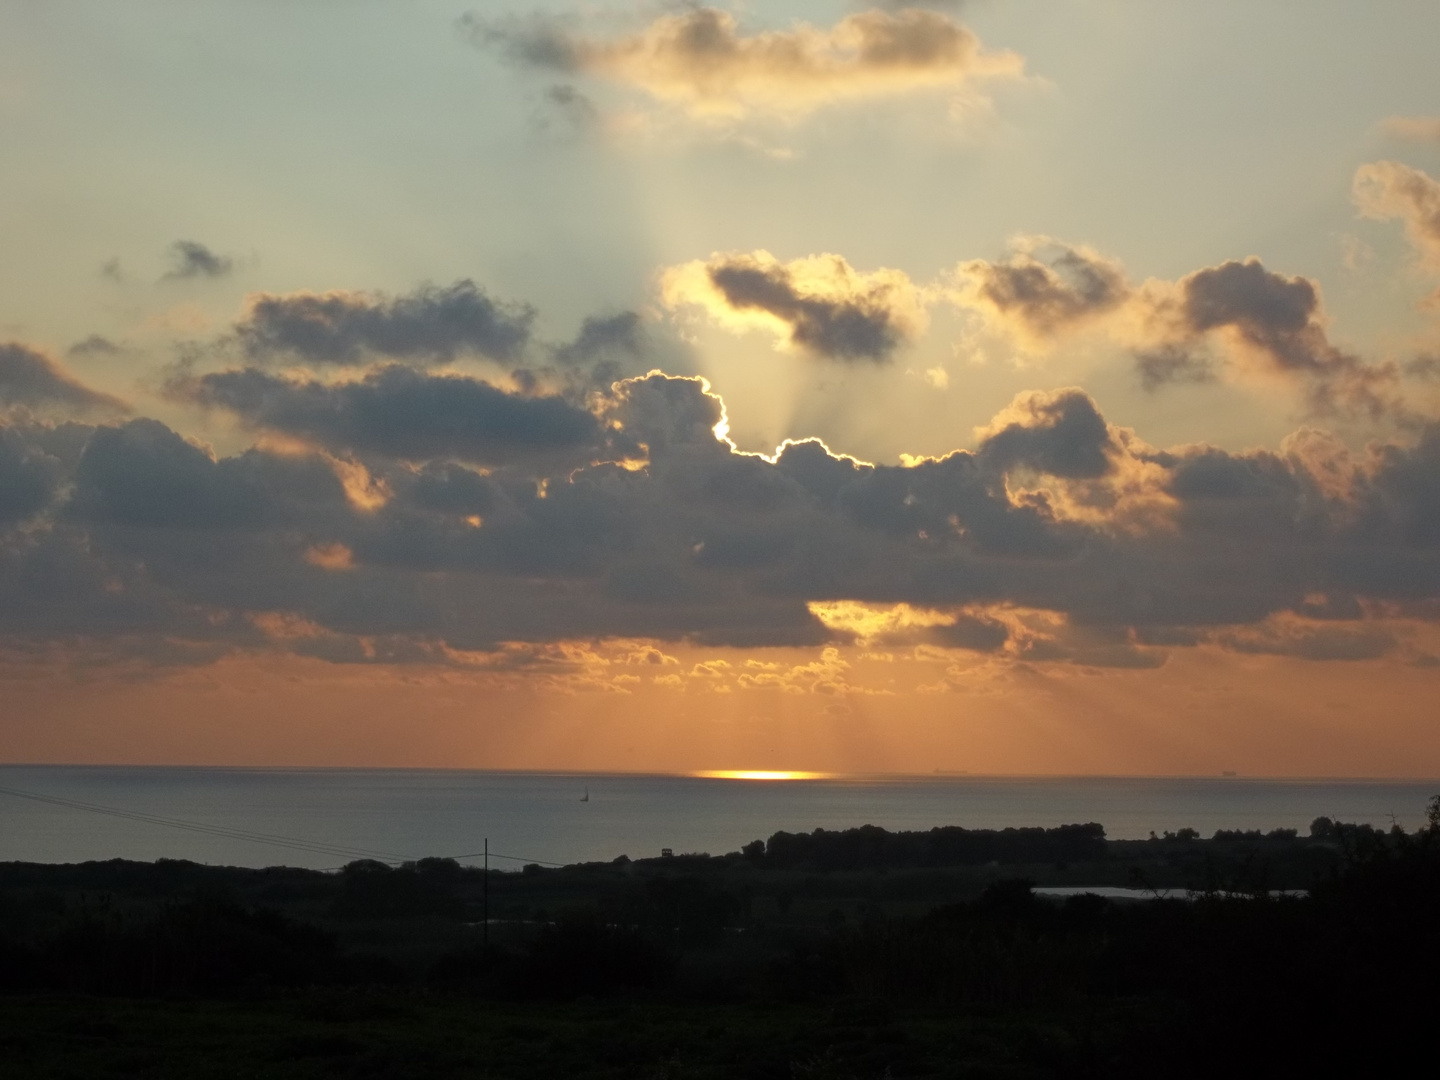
438,519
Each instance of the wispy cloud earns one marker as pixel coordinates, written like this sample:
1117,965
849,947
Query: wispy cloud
1412,128
1385,190
189,259
703,63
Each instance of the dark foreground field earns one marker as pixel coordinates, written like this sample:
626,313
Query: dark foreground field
856,954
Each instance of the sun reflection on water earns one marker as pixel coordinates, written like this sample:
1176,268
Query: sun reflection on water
759,774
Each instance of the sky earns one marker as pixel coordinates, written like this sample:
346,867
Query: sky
1000,386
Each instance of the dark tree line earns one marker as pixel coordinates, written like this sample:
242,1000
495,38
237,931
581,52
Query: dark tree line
870,847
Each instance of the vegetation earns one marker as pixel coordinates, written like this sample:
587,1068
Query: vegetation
859,953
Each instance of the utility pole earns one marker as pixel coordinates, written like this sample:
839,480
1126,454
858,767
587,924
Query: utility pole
485,909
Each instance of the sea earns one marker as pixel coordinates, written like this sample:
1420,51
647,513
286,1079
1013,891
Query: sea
325,818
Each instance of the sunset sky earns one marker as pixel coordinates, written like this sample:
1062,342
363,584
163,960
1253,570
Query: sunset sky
1007,386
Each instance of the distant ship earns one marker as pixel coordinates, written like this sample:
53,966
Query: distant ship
586,796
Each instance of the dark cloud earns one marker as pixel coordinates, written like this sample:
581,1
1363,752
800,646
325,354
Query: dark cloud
1275,313
940,508
605,337
455,490
661,416
844,330
399,412
1309,642
144,474
1425,368
1401,495
1042,296
1168,365
533,40
460,531
1267,322
823,305
1062,434
970,632
433,324
29,478
95,345
1279,320
191,259
567,103
1173,636
30,378
1086,647
606,348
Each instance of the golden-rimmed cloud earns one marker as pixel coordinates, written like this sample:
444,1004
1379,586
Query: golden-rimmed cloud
819,304
1238,320
703,63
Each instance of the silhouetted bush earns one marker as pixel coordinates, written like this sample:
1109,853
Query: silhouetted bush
695,909
372,890
204,945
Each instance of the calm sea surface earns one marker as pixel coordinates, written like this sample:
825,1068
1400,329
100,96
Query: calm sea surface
325,817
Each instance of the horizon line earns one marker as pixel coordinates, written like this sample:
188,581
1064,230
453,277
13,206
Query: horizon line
769,775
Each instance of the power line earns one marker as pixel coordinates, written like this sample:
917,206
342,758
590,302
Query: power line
269,839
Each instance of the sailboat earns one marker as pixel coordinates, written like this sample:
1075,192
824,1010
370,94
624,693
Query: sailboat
586,796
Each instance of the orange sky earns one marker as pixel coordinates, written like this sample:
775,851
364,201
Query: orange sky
1201,714
805,386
